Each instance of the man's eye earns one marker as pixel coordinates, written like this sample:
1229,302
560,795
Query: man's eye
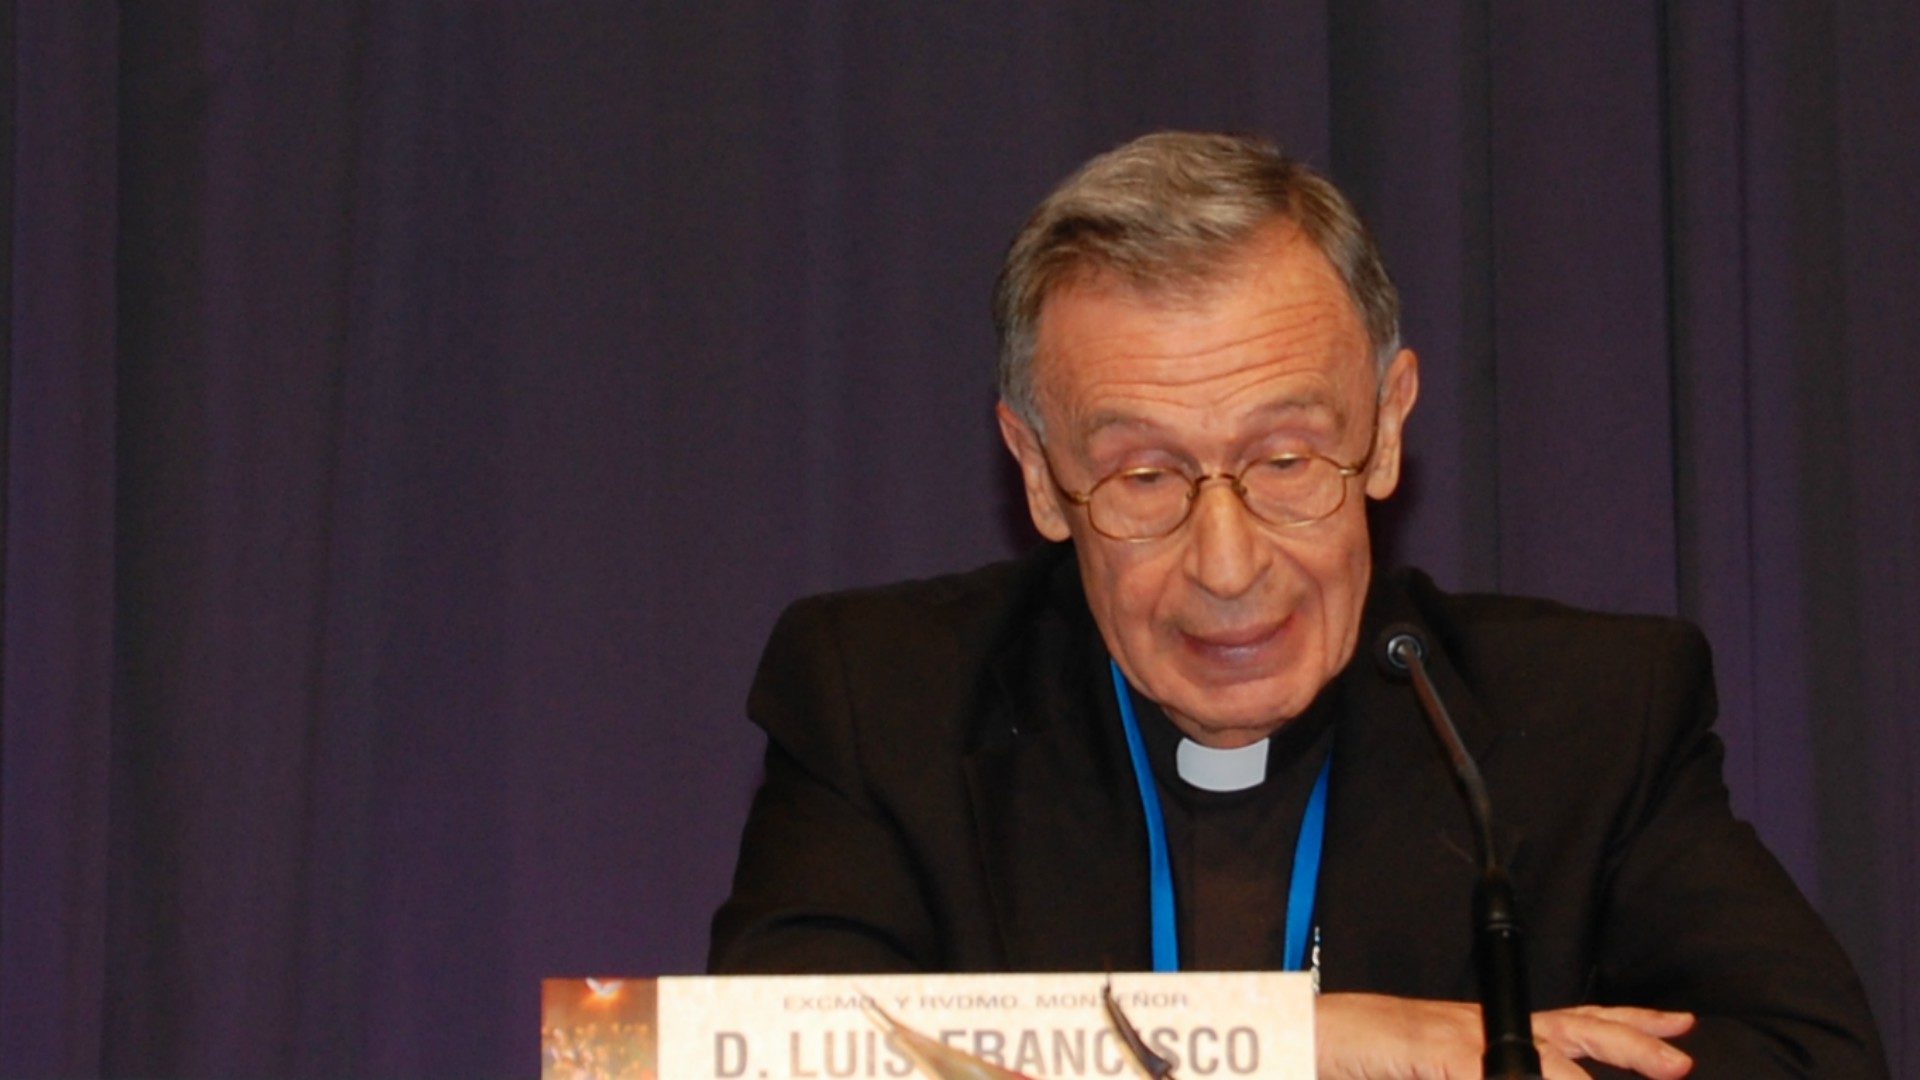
1144,480
1285,466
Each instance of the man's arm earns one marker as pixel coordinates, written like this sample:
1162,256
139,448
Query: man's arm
1375,1037
822,884
1697,920
1701,916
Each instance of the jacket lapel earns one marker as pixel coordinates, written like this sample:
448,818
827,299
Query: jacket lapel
1059,826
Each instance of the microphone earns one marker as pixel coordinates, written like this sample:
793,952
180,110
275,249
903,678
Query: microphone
1505,1012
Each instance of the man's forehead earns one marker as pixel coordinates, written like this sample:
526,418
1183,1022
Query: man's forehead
1312,403
1263,352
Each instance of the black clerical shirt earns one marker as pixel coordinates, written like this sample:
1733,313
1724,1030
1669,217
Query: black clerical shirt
1232,852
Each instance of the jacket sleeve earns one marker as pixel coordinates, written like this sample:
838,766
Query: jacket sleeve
1699,915
823,883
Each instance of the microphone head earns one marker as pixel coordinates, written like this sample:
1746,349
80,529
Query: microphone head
1393,646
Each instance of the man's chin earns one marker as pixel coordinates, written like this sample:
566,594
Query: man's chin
1233,716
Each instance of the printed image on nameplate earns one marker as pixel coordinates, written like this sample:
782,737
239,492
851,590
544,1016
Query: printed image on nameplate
1043,1027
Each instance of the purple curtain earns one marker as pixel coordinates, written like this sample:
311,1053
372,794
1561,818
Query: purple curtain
416,414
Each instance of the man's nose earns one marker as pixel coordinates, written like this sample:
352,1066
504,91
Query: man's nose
1225,555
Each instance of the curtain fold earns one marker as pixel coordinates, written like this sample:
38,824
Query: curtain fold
57,625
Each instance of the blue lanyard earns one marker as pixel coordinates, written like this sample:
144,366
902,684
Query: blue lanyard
1306,850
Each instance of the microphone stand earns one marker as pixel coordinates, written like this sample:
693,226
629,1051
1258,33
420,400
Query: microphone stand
1498,948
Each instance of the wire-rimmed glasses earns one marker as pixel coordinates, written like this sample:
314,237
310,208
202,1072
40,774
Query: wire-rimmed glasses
1285,491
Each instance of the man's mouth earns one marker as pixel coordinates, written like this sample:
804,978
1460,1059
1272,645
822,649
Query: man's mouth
1235,646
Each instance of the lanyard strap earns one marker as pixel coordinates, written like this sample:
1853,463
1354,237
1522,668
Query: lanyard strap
1166,939
1305,883
1306,850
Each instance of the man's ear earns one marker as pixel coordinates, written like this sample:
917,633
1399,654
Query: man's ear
1043,498
1398,391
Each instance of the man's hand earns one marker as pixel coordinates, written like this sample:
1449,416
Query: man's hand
1374,1037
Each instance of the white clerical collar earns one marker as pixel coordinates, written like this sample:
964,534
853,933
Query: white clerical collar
1221,770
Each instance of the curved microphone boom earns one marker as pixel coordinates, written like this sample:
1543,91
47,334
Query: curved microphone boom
1504,1007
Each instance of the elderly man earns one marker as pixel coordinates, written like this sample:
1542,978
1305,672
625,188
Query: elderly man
1162,738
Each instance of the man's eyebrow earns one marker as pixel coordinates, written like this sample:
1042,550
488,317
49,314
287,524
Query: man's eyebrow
1106,419
1312,401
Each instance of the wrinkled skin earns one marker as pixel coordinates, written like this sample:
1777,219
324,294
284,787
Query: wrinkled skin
1231,624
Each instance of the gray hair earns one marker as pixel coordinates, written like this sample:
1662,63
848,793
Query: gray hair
1167,212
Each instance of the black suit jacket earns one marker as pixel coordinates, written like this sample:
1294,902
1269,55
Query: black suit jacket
947,789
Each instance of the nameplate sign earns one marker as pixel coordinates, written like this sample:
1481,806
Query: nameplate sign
1043,1027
